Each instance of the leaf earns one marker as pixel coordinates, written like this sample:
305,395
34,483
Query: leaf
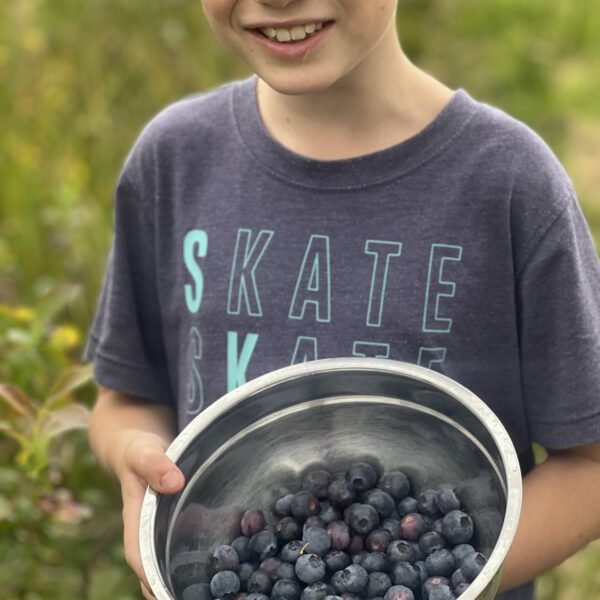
68,381
11,432
67,418
17,400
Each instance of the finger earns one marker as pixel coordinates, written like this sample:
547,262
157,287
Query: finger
133,490
146,592
155,467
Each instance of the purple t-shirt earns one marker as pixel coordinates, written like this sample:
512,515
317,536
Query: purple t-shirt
462,249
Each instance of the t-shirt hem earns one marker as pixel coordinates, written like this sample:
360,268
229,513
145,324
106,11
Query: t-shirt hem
121,376
569,434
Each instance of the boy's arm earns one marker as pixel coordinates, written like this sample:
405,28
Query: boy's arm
129,438
560,513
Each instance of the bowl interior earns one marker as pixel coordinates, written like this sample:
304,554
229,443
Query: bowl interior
253,451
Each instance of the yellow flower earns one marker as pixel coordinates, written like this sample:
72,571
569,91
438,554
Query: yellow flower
23,314
65,337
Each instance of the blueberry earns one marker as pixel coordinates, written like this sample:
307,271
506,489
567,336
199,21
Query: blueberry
447,500
406,574
381,501
313,521
333,598
396,484
472,564
457,578
461,588
357,544
401,550
399,592
225,558
318,540
336,560
283,505
378,540
340,494
375,561
359,557
317,483
460,551
378,584
242,547
270,566
362,518
260,582
224,583
430,541
285,570
329,512
337,582
288,529
441,563
457,527
431,583
422,569
354,579
286,589
317,591
257,597
264,544
304,505
361,476
437,525
310,568
419,554
252,522
441,592
393,526
407,505
291,551
244,571
413,526
340,535
427,504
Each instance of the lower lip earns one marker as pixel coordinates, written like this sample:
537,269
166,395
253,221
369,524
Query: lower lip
293,50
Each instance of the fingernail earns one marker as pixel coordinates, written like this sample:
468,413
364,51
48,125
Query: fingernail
169,479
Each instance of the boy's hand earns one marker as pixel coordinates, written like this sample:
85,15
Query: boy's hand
143,462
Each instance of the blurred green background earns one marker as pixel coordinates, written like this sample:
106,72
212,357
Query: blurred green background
78,80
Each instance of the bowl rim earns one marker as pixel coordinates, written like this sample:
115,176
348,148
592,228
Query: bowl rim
488,418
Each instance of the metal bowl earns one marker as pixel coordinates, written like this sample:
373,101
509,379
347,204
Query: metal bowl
253,444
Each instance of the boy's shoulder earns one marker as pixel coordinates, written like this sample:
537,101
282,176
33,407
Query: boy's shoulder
200,122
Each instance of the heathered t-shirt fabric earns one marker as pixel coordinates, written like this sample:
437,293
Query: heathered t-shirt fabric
462,249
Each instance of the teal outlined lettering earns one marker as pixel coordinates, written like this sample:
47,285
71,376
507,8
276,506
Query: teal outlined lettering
313,285
429,357
242,279
305,350
439,288
382,253
370,349
195,387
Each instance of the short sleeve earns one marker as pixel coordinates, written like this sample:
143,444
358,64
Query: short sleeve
125,341
559,320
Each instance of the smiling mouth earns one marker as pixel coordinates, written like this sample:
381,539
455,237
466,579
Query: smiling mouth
287,35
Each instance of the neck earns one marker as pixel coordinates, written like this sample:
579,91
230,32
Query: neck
382,102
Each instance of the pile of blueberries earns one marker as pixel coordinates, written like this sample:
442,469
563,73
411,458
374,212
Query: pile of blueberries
358,537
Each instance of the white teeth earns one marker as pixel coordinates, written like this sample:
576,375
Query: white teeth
298,32
284,35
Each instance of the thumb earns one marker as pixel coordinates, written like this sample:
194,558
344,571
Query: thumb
152,465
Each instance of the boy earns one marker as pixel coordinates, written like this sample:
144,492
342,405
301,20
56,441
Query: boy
343,202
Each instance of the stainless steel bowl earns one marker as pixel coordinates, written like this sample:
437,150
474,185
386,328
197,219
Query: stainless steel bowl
253,444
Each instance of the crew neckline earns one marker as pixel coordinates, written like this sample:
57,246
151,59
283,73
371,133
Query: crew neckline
362,171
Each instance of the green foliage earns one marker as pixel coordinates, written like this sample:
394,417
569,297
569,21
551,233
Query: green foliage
78,81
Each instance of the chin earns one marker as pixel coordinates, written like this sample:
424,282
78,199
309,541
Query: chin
291,86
